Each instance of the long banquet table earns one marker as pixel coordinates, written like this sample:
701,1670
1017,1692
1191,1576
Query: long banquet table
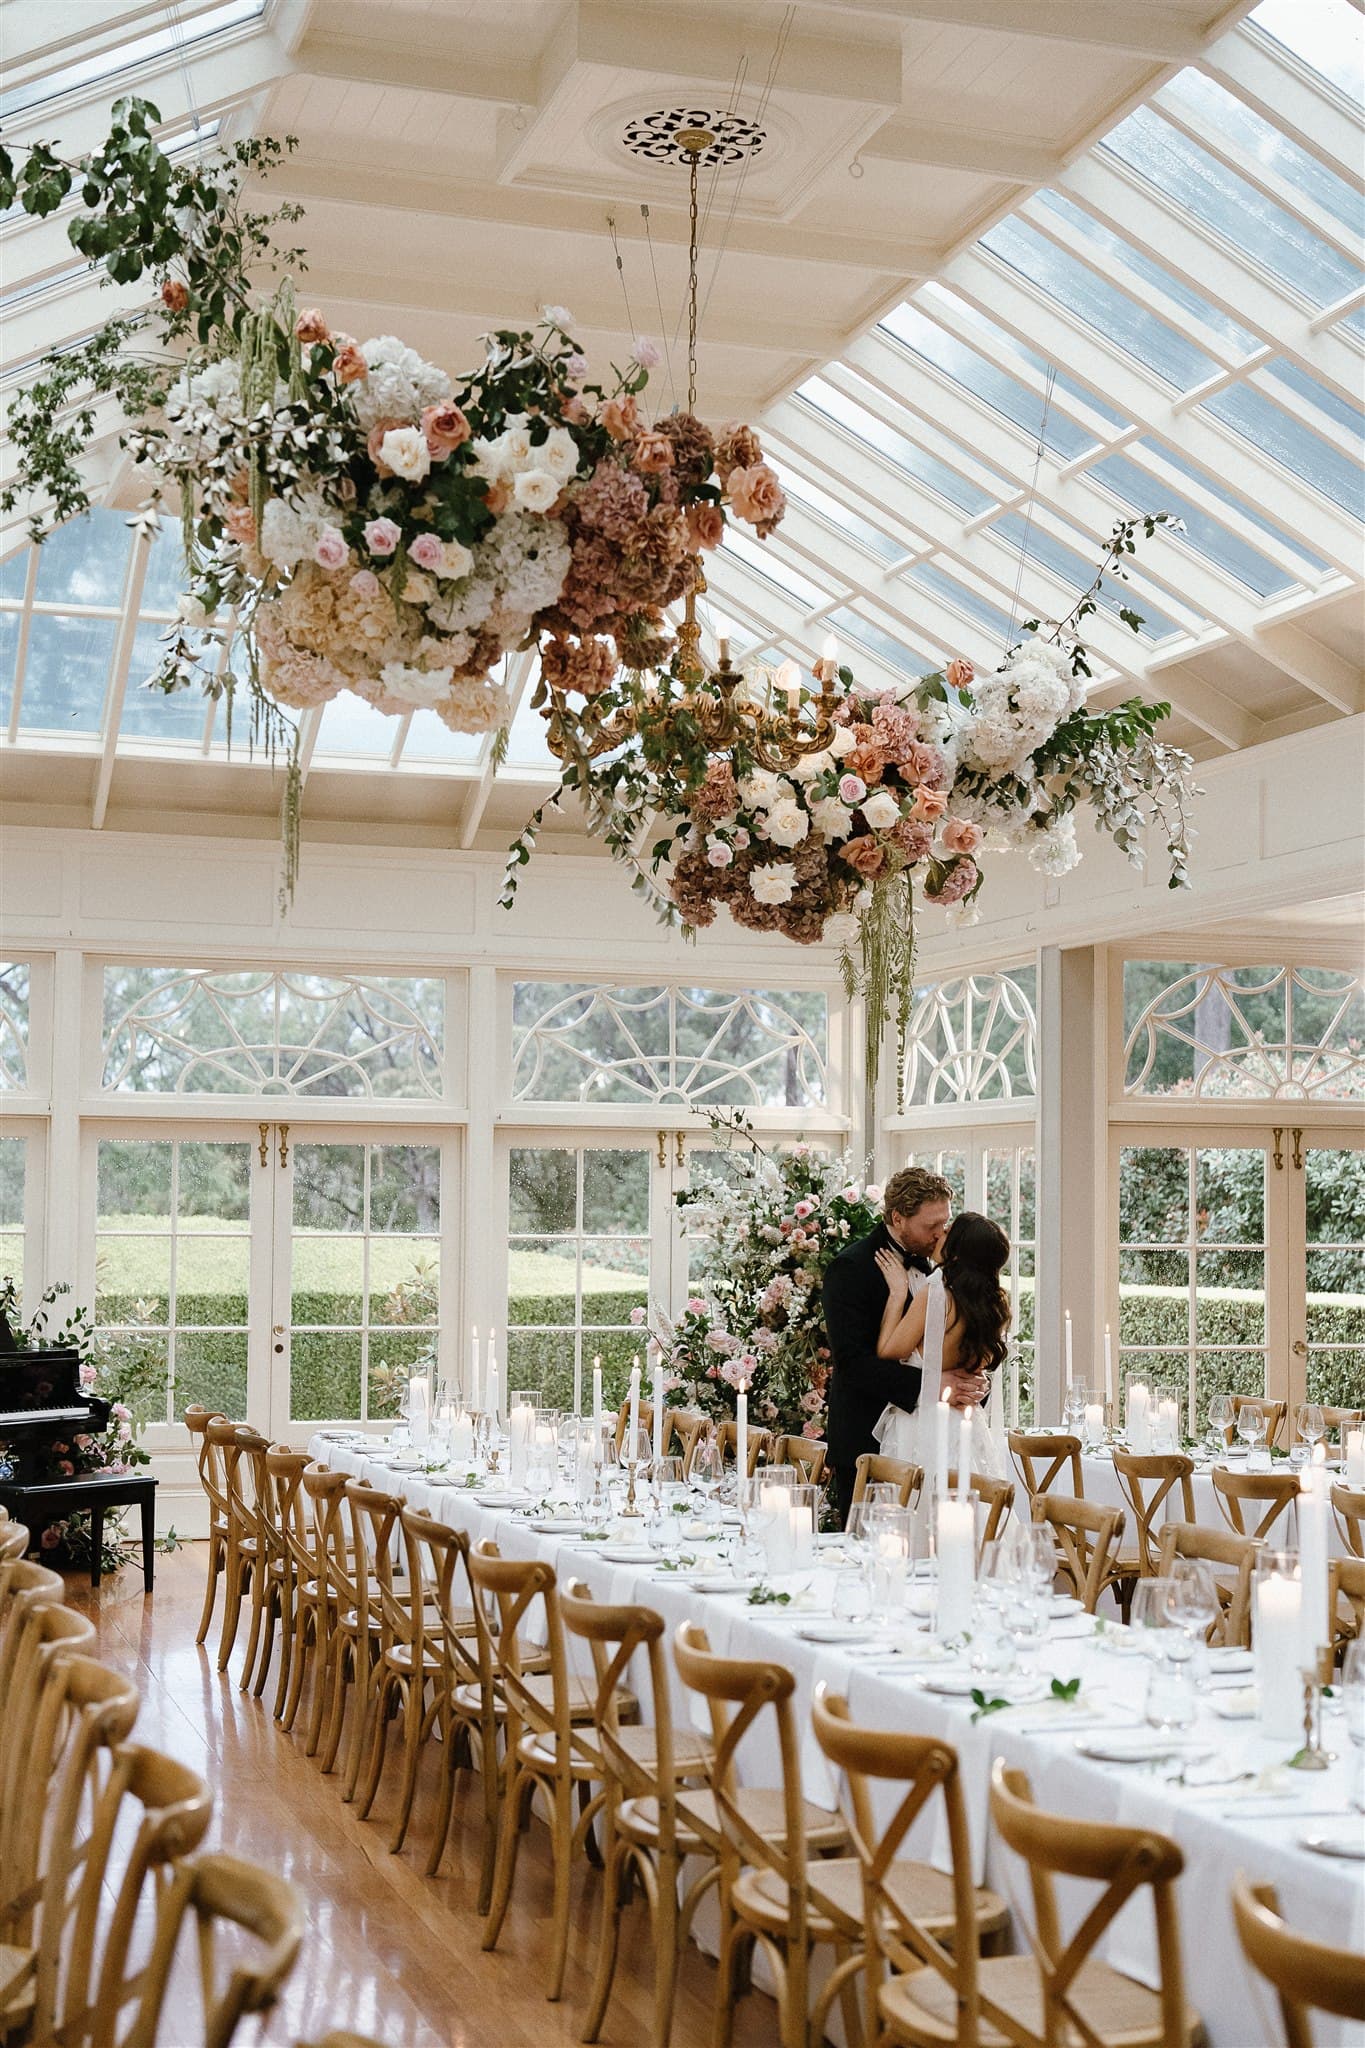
1221,1829
1102,1487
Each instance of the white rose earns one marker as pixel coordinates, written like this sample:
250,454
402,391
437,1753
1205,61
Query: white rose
416,686
881,810
189,608
418,588
773,884
833,819
841,929
516,441
488,458
405,451
842,741
558,453
456,560
788,823
535,490
812,766
760,789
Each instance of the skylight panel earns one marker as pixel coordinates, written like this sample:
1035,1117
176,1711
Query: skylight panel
1112,313
1146,272
1075,568
1204,534
978,609
875,434
896,653
848,524
151,714
66,673
526,745
164,578
1331,403
1242,215
14,574
351,728
761,561
84,562
1174,460
910,326
1327,35
428,740
9,649
1204,101
121,57
1277,434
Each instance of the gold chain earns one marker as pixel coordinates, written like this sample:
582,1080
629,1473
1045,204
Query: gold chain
693,171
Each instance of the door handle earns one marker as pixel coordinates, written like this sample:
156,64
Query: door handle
663,1147
278,1331
1299,1348
264,1147
679,1156
1277,1132
283,1130
1296,1135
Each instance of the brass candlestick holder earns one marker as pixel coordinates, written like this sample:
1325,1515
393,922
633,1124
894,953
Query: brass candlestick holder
631,1512
1313,1757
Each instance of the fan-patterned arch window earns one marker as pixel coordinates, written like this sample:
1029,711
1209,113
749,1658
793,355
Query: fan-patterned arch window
1242,1033
195,1031
973,1040
14,995
762,1049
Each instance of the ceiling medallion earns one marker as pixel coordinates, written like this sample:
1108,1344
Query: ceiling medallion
657,137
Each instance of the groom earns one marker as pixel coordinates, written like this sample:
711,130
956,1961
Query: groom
918,1208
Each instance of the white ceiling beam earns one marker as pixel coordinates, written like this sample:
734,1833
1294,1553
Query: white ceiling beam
1165,34
908,140
1253,170
1338,682
1290,96
219,74
1226,277
522,667
864,70
1038,322
116,687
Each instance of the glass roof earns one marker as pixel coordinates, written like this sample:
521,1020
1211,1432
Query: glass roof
1174,323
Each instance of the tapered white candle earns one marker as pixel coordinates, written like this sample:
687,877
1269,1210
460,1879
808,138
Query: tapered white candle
492,1399
1108,1367
633,1413
475,1378
658,1393
1276,1639
577,1385
964,1456
1355,1457
941,1415
1315,1610
597,1411
742,1436
1067,1339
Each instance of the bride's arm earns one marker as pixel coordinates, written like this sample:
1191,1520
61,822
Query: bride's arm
906,1335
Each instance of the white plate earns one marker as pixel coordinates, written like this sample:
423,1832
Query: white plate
1234,1706
962,1684
716,1582
627,1553
1222,1661
953,1684
1349,1847
836,1632
1127,1749
403,1464
1063,1604
559,1525
500,1500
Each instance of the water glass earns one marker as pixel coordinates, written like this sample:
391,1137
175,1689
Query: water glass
1024,1611
1151,1612
1171,1701
851,1599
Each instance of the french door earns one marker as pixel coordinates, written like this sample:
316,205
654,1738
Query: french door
1241,1260
291,1275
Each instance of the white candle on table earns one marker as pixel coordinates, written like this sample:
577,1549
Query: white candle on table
597,1411
492,1396
1070,1359
1108,1368
1355,1457
1139,1419
941,1416
633,1412
1168,1424
474,1374
964,1456
1313,1545
779,1530
1094,1423
658,1392
461,1439
577,1385
956,1566
520,1424
1276,1640
742,1438
419,1412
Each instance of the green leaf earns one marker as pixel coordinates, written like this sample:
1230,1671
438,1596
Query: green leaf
1065,1689
981,1706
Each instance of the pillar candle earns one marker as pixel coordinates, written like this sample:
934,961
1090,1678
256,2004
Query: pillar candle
1168,1425
956,1566
633,1413
1277,1629
1315,1610
941,1416
577,1384
1069,1357
1094,1423
1108,1368
520,1423
779,1533
475,1377
742,1438
419,1411
1355,1457
658,1392
461,1439
964,1456
1139,1419
492,1396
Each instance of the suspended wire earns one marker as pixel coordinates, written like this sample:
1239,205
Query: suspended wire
659,305
177,28
774,66
631,328
1032,500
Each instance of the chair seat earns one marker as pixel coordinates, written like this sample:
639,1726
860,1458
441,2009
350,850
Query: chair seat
835,1887
691,1753
923,2009
398,1657
763,1809
17,1986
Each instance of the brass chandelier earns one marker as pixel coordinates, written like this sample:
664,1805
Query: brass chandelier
709,703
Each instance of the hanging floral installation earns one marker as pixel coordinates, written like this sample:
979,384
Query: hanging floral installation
356,518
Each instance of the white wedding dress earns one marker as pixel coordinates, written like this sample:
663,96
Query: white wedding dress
911,1435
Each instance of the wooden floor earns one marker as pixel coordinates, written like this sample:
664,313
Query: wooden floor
388,1951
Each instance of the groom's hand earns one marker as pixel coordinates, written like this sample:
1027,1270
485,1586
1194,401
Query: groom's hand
966,1389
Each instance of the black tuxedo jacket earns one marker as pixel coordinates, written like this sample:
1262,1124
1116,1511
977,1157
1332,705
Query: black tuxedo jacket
853,1294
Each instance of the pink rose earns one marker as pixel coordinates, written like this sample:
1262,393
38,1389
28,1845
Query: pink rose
87,1373
66,1468
961,837
719,855
619,417
382,536
805,1207
52,1536
646,353
651,454
445,428
705,525
365,584
852,789
427,551
922,763
576,410
813,1429
930,803
576,365
348,365
756,494
121,1413
310,327
240,522
175,296
696,1306
960,673
330,550
637,1316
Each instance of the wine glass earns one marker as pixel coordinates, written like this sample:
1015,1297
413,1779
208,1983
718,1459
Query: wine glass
1311,1424
1040,1557
1220,1421
1151,1612
1250,1427
1193,1604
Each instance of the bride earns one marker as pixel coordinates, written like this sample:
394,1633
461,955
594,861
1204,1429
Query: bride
958,1321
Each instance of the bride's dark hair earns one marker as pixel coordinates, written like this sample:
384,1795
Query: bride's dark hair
974,1251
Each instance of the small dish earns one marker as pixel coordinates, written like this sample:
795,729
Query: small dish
629,1553
718,1582
558,1525
1234,1706
1063,1604
1350,1848
500,1500
1224,1661
1127,1749
836,1632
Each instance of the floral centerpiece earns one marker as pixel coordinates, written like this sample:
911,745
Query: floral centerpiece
767,1233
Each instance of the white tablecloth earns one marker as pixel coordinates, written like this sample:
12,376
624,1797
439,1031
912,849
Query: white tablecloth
1323,1896
1101,1484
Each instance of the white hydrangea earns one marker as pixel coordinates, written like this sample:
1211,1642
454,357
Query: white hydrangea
400,383
1019,707
773,884
762,788
420,687
841,929
202,410
1055,852
289,531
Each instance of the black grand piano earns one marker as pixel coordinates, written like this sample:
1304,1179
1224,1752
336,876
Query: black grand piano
41,1403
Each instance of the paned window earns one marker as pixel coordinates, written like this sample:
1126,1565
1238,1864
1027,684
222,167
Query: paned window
763,1049
578,1264
973,1040
14,995
194,1031
13,1162
1296,1033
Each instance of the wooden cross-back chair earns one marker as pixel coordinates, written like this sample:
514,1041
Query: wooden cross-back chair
24,1584
687,1427
548,1716
1233,1561
806,1455
727,1436
316,1603
647,1834
225,1447
209,1460
1273,1412
1242,1494
13,1540
1305,1975
1346,1584
872,1469
370,1517
271,1488
353,1633
1062,1991
918,1919
1042,1456
995,1495
1348,1506
1087,1540
208,1894
1147,1483
646,1422
42,1640
1338,1420
292,1578
408,1653
777,1893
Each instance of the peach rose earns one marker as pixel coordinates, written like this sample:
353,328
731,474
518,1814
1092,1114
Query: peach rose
866,761
446,429
705,525
959,836
310,328
175,296
864,854
930,803
497,498
960,673
348,365
651,454
240,522
620,417
576,410
756,494
375,442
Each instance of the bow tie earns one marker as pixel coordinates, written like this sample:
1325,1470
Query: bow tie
914,1261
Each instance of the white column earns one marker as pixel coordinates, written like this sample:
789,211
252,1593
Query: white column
484,1294
65,1255
1072,1208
